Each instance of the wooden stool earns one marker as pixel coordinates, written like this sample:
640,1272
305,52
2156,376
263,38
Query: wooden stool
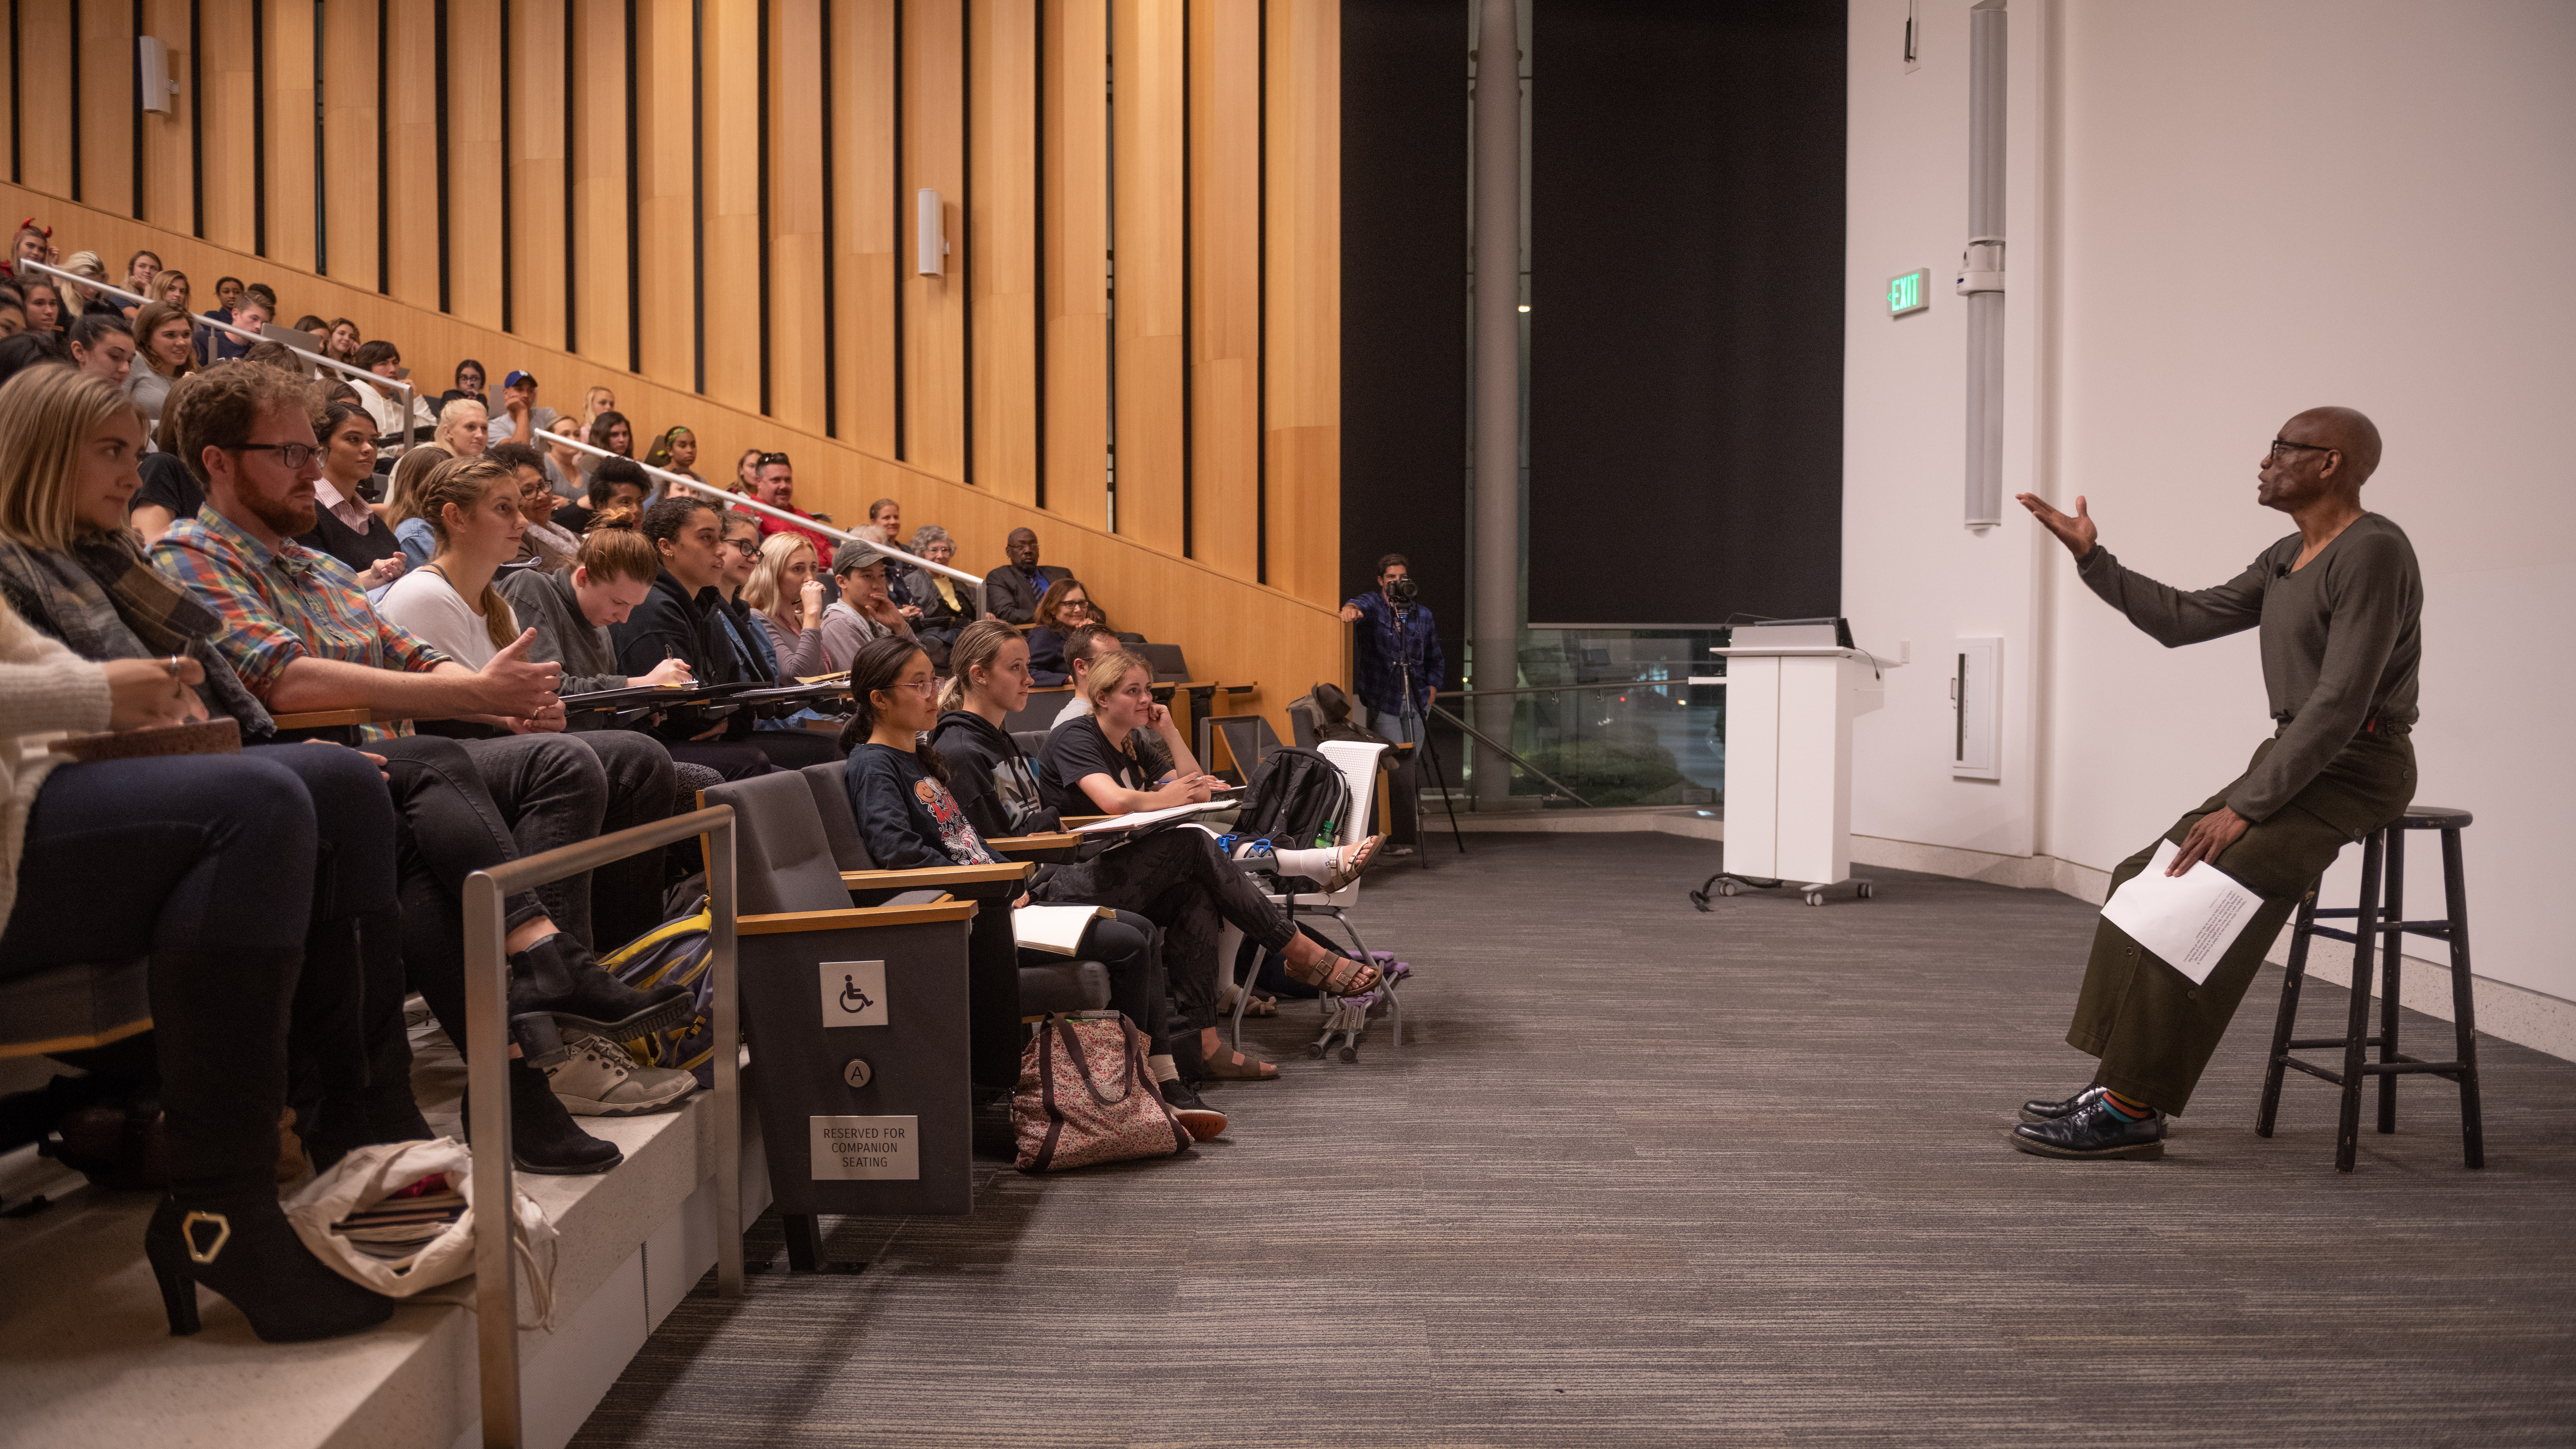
2380,924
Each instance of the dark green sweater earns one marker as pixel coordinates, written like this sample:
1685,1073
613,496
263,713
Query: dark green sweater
2341,641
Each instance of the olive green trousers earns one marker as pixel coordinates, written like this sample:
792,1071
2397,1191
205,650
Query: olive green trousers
2152,1028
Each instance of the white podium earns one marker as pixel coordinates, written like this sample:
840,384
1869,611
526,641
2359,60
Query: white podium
1789,712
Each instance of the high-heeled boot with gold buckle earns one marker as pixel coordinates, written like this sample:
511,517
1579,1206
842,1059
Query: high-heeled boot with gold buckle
240,1245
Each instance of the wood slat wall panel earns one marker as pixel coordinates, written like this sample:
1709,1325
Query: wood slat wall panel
288,107
934,308
107,111
666,208
8,120
1147,124
599,181
537,149
796,213
730,56
1225,278
474,164
1075,123
348,138
411,161
164,138
1002,228
1304,169
45,152
1231,628
224,30
864,224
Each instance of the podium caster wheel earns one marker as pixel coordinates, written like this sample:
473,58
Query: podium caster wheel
1350,1054
1867,890
1726,887
1316,1050
1815,898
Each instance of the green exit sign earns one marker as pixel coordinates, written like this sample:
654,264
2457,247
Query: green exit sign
1909,293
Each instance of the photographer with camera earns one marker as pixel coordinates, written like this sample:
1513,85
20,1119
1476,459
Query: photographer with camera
1400,666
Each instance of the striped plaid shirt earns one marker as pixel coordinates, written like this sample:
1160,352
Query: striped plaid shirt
280,605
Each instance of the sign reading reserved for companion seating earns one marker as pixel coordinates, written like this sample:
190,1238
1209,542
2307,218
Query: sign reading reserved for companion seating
861,1149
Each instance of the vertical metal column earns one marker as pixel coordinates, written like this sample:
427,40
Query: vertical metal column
1981,265
1496,614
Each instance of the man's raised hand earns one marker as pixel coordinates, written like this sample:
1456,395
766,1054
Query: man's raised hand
515,685
2077,533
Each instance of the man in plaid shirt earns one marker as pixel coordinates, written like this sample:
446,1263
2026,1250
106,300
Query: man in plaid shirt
303,638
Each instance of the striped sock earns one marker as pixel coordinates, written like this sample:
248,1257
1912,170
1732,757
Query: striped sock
2128,1109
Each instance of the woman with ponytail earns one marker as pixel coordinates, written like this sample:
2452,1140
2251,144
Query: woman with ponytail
450,602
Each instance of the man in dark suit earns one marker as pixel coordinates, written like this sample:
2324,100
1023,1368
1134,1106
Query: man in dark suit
1011,591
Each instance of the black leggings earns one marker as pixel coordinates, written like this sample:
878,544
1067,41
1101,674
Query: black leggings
1131,949
1176,879
248,879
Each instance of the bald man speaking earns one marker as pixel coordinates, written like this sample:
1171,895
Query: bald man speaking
2338,603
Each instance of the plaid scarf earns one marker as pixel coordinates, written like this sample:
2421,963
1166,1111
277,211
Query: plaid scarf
104,601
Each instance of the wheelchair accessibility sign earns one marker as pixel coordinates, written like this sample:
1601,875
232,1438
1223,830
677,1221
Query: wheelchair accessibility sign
854,993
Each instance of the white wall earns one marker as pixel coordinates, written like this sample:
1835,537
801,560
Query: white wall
2222,213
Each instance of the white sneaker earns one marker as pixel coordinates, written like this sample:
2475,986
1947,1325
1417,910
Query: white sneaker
597,1078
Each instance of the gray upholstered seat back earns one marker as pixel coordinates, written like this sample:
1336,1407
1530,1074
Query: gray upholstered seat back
785,860
840,826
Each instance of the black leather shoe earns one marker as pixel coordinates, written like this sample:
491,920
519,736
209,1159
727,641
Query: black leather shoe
557,977
2036,1112
2094,1131
1204,1121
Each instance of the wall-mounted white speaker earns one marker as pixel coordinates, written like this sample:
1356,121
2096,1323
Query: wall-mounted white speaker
929,239
152,74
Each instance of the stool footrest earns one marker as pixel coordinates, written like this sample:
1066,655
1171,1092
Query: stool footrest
2402,1067
2412,928
2322,1042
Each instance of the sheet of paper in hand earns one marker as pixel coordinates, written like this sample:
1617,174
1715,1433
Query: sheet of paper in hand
2190,919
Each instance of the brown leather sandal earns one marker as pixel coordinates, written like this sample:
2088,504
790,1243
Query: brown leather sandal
1335,975
1354,863
1223,1065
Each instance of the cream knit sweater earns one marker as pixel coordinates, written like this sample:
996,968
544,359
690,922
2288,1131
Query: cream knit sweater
45,690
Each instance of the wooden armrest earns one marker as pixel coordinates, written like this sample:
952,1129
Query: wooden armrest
323,719
842,678
935,875
789,923
1249,686
1056,840
1070,821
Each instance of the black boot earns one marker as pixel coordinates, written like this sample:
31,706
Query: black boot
558,979
543,1137
381,1108
239,1243
220,1020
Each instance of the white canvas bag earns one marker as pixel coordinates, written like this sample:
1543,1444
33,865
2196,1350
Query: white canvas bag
369,1175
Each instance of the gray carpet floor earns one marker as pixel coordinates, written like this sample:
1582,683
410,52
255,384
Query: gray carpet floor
1640,1175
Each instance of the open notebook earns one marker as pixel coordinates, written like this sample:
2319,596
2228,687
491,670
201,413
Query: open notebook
1142,818
1054,928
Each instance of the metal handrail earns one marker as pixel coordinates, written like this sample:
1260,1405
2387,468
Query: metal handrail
487,1081
727,498
411,394
1565,688
1506,752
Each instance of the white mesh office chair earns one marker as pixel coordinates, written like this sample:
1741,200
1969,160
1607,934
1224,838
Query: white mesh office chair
1343,1016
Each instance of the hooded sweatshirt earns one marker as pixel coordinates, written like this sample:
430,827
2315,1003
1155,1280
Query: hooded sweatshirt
995,783
673,624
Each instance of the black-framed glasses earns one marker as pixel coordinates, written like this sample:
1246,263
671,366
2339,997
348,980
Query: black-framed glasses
2279,443
293,455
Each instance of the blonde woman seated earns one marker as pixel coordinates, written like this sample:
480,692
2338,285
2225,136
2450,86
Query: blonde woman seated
786,593
1127,755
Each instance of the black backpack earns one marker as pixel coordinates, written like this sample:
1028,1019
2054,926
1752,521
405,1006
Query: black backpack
1298,799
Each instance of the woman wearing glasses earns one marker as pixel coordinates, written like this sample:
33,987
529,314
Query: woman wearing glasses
1063,608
